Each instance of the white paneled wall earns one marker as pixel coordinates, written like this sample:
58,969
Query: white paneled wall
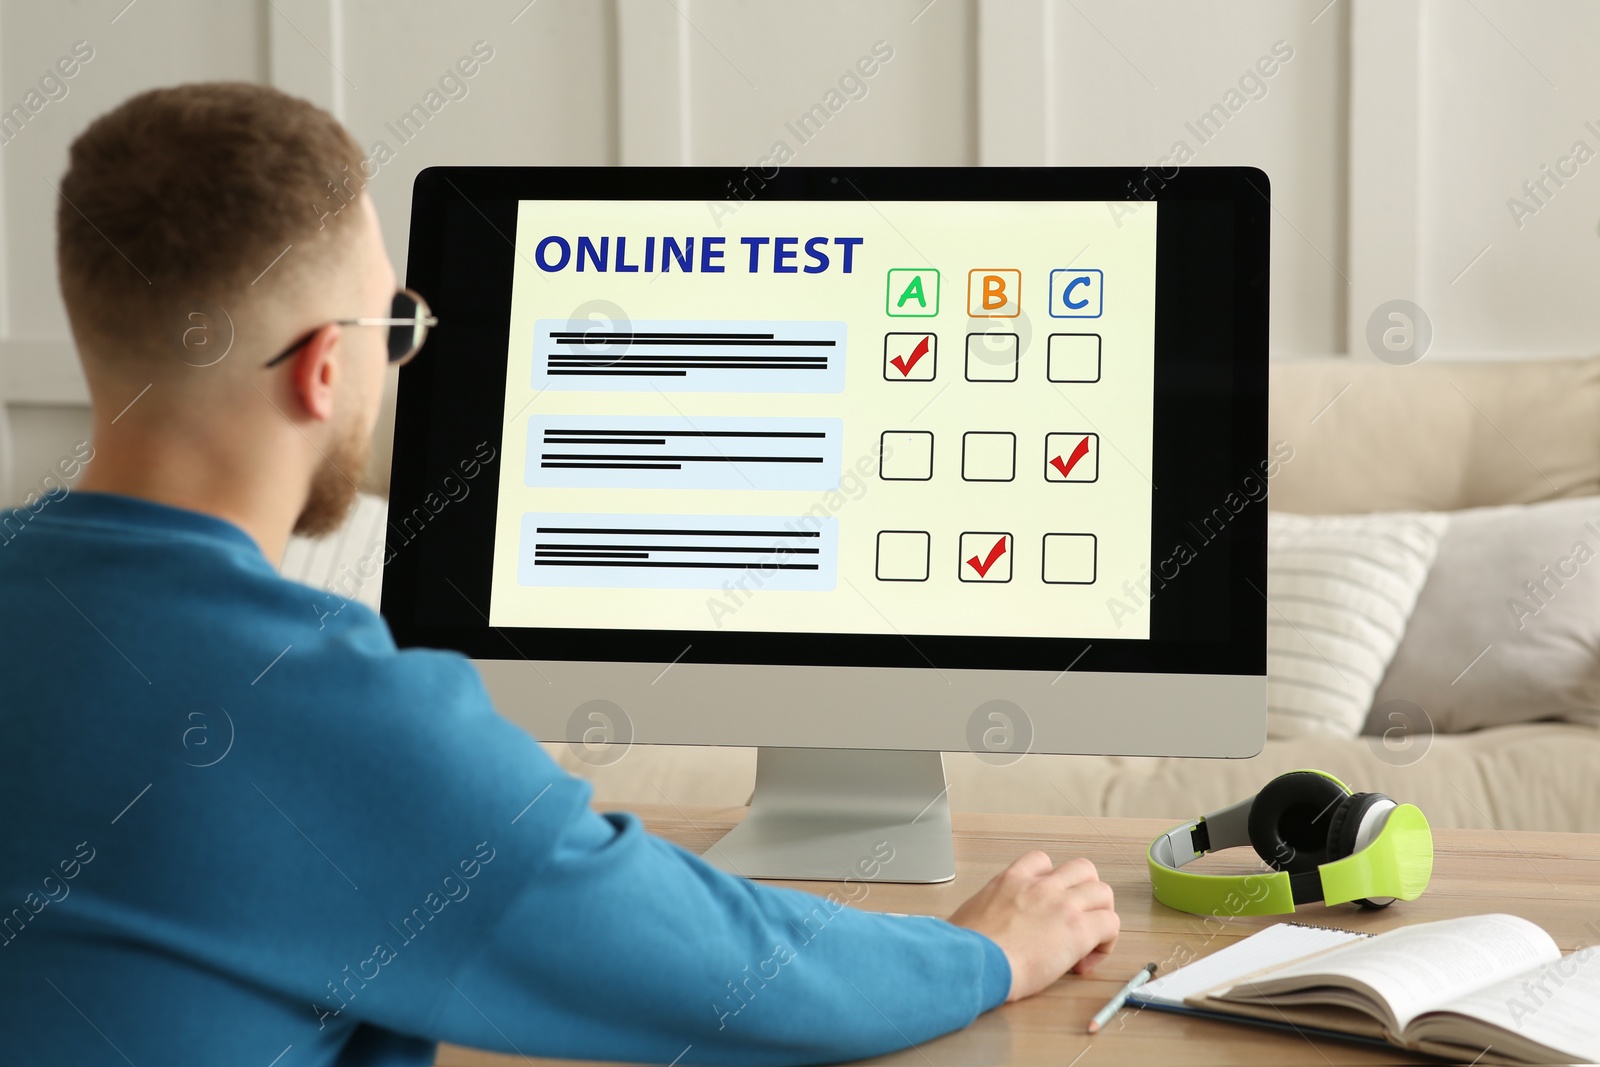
1395,131
1173,82
831,82
1510,112
150,43
544,91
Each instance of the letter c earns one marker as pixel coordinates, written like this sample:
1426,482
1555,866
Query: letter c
1066,294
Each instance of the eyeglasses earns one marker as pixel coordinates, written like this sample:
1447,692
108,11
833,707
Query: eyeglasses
408,323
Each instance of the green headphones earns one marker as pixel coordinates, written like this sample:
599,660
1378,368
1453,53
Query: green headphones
1323,842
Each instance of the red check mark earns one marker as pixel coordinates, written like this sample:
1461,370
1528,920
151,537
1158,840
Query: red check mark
995,553
1072,461
905,364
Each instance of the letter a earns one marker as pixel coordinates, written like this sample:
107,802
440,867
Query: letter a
915,288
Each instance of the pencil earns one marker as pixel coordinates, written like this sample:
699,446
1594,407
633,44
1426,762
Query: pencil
1104,1015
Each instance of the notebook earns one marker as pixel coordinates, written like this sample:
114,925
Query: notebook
1486,988
1276,945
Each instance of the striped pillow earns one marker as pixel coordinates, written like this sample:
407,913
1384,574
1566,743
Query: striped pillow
1340,590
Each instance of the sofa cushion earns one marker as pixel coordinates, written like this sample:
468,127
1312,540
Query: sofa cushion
1339,591
1507,627
1433,436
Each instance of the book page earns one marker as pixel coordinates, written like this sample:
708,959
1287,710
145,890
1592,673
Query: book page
1268,948
1419,968
1555,1004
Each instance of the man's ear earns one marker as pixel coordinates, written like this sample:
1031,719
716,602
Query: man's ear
312,371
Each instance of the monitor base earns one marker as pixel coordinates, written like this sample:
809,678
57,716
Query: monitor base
831,814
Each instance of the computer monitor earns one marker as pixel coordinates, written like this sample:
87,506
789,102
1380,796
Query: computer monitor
854,465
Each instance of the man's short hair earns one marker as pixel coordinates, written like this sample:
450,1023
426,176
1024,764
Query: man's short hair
184,195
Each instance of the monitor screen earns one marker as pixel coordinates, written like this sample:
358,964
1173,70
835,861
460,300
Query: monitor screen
845,418
1000,419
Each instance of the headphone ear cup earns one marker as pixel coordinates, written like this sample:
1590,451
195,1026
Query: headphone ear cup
1345,829
1287,822
1346,823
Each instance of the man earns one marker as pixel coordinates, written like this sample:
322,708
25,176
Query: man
243,831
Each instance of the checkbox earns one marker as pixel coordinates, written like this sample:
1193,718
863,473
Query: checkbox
903,555
1073,357
992,357
1071,457
985,557
1069,558
988,456
910,357
905,456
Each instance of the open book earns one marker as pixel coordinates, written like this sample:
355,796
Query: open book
1485,988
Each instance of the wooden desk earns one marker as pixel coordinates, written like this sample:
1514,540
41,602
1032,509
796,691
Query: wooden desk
1552,879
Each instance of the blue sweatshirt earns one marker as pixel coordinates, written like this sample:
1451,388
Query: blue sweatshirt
241,830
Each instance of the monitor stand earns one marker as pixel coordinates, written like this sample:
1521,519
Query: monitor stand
830,814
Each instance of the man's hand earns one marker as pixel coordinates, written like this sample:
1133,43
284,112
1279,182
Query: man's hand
1047,919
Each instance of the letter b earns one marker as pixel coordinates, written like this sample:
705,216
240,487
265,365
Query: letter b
994,294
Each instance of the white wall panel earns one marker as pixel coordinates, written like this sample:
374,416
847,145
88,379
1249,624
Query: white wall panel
769,81
545,96
654,55
1017,83
1384,159
304,44
1508,89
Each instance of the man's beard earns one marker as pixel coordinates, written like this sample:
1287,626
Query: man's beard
334,486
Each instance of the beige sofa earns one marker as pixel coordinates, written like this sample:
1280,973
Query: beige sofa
1366,437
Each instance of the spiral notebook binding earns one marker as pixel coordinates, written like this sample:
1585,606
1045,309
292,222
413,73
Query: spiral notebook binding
1337,929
